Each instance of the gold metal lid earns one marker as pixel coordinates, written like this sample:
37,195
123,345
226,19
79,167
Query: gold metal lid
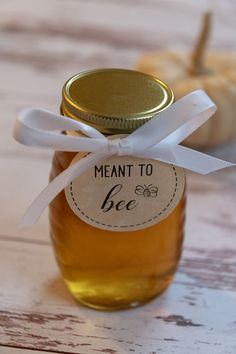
114,100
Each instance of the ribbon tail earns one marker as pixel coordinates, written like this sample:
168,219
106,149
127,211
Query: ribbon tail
57,185
197,161
187,158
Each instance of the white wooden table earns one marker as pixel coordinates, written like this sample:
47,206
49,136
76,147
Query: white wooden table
42,43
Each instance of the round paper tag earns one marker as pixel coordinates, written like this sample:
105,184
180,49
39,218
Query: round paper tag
125,193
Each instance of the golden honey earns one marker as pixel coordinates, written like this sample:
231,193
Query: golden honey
106,269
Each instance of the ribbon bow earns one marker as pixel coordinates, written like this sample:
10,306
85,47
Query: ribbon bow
158,139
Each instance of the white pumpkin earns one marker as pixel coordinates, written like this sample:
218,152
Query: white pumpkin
216,74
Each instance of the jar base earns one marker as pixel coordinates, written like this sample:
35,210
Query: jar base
108,298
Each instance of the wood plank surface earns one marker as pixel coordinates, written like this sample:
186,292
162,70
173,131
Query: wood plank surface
41,45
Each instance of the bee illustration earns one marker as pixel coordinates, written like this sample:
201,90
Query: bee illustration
146,191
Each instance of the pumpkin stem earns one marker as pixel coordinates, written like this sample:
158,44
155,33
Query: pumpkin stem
198,67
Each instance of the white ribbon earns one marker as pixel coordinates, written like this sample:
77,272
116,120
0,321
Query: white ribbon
158,139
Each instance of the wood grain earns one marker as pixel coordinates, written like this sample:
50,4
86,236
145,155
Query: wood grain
41,45
44,316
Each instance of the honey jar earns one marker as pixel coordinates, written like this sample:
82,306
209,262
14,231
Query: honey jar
117,229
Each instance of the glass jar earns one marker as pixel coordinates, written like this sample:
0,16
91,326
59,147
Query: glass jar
102,268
